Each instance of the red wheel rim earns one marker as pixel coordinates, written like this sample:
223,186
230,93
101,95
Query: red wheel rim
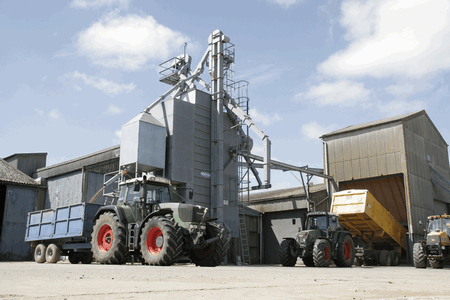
155,241
327,253
347,250
202,253
104,238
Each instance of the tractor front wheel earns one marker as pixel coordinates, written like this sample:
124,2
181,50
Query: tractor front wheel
214,254
345,254
285,253
437,264
420,261
108,239
322,253
161,242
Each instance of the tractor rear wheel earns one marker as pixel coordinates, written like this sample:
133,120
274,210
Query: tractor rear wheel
285,253
108,239
52,254
308,261
161,242
214,254
322,253
420,261
437,264
385,258
345,253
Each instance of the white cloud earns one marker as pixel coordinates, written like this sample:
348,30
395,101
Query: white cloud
118,134
265,119
97,3
77,88
344,93
102,84
313,130
54,114
400,107
401,37
285,3
40,112
114,110
129,42
44,78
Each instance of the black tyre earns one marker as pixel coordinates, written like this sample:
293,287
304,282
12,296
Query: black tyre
109,239
420,261
52,254
385,258
39,253
345,253
322,253
285,253
74,258
436,264
215,253
395,258
86,258
161,242
308,261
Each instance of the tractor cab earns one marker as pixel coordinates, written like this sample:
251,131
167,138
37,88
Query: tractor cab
322,221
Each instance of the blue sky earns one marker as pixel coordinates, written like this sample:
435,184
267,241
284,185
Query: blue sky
72,73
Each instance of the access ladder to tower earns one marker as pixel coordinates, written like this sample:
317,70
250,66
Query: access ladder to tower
245,249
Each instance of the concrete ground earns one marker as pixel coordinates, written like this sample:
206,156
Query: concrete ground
29,280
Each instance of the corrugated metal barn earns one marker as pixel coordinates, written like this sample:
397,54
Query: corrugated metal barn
19,194
398,160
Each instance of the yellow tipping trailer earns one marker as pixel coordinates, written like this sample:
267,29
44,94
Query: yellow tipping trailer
378,234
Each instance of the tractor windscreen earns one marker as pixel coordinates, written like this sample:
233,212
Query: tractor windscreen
157,194
446,225
317,222
434,225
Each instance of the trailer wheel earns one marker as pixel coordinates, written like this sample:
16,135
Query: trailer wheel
436,264
395,258
345,253
53,253
108,239
308,261
285,253
74,258
420,261
322,253
86,258
39,253
214,254
161,242
385,258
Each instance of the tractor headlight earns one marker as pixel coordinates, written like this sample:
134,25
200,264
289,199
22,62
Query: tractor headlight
302,237
443,247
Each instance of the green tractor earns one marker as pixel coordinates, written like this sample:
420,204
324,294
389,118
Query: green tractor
146,224
321,242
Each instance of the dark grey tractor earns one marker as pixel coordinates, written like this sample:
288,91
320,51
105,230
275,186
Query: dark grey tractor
321,242
148,225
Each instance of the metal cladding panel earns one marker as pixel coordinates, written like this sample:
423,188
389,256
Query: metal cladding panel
143,141
368,152
424,148
19,201
64,190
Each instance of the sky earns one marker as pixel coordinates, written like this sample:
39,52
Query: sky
73,72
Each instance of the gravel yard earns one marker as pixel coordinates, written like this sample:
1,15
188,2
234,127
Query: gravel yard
29,280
